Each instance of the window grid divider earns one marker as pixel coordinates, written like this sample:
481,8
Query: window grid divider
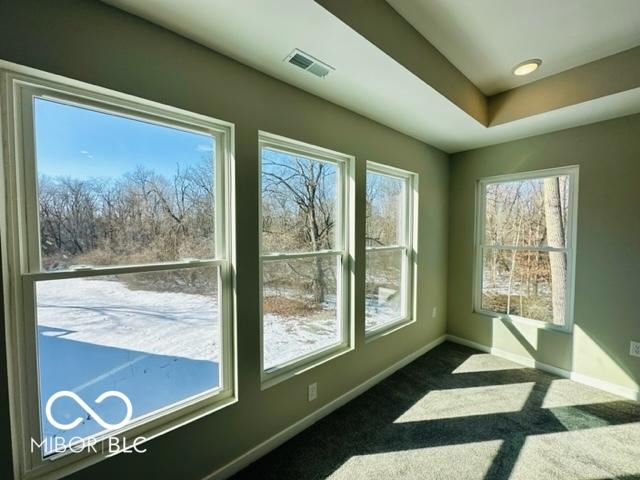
120,270
290,256
525,248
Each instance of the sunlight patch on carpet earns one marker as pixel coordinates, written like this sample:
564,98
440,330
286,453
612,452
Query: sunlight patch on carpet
593,453
464,402
469,461
566,393
484,362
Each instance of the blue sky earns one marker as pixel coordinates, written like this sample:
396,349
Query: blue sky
81,143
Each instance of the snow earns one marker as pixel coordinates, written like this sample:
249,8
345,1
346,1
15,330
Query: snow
288,338
104,312
158,348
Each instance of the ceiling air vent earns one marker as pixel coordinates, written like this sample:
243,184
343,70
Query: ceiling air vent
309,63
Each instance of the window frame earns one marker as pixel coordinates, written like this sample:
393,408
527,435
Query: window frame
21,261
572,172
341,249
408,248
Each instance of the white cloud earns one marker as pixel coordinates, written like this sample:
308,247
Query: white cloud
204,148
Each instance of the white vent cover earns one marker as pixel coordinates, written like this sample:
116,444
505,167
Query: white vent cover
309,63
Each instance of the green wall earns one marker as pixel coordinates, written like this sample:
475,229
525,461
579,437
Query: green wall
607,294
95,43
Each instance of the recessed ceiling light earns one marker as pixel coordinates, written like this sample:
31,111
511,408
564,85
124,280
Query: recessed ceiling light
527,67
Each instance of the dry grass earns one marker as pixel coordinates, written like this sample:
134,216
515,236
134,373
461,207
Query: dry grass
534,307
289,307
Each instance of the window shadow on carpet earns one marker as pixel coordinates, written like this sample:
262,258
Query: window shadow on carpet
458,413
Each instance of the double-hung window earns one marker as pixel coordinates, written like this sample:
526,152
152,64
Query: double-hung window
525,246
389,243
117,273
304,261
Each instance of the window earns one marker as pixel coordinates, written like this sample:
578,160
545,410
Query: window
389,232
304,262
526,246
119,273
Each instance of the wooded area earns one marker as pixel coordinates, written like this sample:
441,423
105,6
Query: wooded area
527,282
140,217
299,202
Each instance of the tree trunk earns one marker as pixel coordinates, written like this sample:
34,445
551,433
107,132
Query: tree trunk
555,238
513,268
318,284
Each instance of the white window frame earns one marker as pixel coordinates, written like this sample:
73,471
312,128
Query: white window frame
343,163
570,244
21,261
408,231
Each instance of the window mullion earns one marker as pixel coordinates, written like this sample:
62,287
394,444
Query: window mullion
532,248
288,256
385,248
101,271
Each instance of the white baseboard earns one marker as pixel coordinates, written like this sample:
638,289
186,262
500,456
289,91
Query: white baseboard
279,438
625,392
614,388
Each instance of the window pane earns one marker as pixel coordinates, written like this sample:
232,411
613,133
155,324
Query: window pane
114,191
386,198
530,212
299,203
300,315
155,337
384,297
527,284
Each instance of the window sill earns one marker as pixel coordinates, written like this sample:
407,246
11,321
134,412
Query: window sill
387,329
285,372
516,320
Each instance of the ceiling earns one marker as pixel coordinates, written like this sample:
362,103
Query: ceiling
486,39
366,79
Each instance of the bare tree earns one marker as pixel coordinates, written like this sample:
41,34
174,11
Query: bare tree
519,281
555,238
299,208
140,217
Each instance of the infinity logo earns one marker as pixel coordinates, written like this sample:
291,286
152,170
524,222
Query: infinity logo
88,409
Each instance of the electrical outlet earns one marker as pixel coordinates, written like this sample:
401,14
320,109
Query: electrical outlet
313,392
635,349
434,312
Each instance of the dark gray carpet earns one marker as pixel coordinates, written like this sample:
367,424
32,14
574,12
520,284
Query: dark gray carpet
461,414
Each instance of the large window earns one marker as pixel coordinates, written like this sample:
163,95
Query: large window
119,275
303,253
526,246
389,232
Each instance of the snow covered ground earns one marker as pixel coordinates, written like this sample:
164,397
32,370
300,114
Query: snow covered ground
158,348
103,312
288,338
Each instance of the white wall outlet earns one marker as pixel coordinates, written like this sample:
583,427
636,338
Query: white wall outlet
635,349
313,392
434,312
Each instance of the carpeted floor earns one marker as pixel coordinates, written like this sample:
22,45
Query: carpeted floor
456,413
